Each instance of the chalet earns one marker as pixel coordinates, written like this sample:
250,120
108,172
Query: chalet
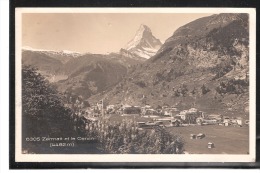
199,121
151,112
147,106
141,124
174,109
170,111
215,117
201,114
178,117
119,112
233,121
143,110
94,107
193,136
175,122
210,145
190,115
100,105
226,121
165,107
167,113
211,121
239,121
110,107
132,110
125,106
183,114
200,136
159,111
193,110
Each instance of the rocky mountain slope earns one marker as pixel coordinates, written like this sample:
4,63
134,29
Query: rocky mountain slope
204,64
144,44
91,74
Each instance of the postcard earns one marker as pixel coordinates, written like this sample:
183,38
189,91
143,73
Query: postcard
135,84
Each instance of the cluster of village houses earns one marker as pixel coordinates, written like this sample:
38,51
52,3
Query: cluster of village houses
163,115
160,116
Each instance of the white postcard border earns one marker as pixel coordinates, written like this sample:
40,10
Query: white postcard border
19,157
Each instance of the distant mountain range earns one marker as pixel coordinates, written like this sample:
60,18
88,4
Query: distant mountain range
63,56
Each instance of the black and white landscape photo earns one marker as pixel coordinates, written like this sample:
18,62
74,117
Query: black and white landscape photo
135,83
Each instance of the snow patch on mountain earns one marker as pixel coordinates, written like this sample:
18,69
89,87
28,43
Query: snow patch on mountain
73,53
63,55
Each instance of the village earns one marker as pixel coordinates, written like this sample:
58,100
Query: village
161,116
209,131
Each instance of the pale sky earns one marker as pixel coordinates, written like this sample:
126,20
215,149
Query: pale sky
95,33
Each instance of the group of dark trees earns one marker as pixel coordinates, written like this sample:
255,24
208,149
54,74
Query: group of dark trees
232,86
204,89
222,68
43,111
183,90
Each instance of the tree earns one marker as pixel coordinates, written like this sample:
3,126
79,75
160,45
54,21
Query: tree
43,112
204,89
194,91
184,89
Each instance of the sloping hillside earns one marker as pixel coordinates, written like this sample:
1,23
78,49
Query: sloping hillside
41,61
90,74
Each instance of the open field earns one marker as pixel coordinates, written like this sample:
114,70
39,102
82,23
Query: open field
227,140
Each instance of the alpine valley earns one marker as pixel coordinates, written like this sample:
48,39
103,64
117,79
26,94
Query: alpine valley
204,64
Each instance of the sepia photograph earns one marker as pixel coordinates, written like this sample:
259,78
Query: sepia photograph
135,85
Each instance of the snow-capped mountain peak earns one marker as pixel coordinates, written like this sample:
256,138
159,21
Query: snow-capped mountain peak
144,44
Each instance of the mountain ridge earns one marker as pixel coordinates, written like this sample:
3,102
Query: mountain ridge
61,55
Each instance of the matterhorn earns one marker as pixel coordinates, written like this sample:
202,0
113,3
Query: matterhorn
144,44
